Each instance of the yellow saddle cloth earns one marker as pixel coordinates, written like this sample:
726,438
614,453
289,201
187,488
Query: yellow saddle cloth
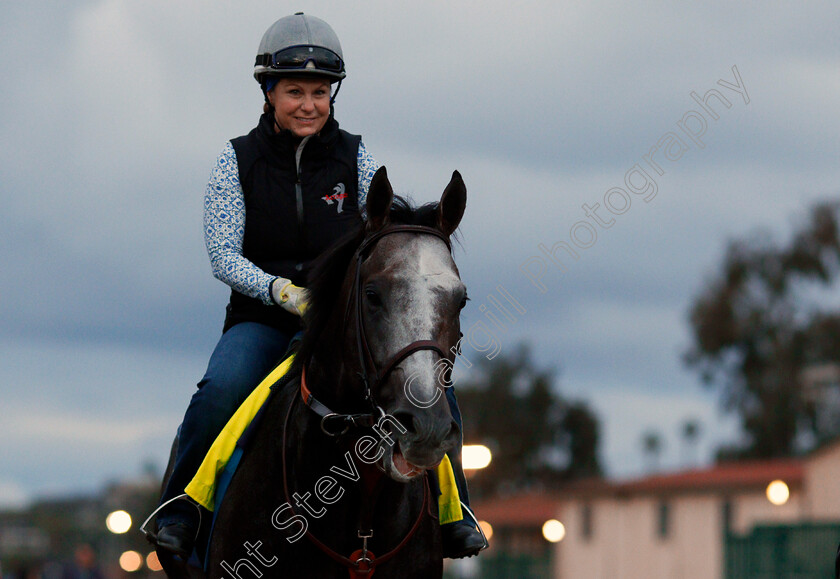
202,488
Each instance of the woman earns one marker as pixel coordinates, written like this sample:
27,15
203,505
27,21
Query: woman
277,198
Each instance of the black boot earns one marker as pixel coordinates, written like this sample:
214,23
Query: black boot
178,522
177,538
461,540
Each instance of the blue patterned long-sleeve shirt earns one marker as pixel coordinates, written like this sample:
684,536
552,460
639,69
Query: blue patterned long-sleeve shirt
224,224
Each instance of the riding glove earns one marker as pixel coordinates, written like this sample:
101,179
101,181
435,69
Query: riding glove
288,296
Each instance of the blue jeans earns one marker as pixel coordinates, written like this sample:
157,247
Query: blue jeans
245,354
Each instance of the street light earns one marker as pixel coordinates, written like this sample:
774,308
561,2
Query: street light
487,528
153,563
553,530
475,456
131,561
118,522
778,492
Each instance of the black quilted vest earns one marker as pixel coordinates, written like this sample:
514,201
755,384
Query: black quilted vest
294,210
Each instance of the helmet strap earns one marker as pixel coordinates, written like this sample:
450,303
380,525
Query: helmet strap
332,98
335,94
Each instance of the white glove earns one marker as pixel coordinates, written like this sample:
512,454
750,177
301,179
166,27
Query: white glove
288,296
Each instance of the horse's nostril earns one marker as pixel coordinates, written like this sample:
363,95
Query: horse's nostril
455,431
407,421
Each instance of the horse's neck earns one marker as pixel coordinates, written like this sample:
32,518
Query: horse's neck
330,381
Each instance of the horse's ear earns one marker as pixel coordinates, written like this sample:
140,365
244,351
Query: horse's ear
379,199
452,204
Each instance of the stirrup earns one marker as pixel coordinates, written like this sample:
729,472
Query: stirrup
468,510
151,536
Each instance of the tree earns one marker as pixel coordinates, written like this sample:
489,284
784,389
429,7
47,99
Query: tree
652,447
756,330
689,433
536,436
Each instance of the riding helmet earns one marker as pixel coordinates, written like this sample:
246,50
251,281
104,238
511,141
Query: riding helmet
299,45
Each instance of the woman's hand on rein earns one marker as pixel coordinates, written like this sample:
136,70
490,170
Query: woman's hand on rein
288,296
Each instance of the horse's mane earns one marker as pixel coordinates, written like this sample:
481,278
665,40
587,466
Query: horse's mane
328,271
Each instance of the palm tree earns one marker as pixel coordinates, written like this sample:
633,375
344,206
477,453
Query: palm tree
690,433
652,447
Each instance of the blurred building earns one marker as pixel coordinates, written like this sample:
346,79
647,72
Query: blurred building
745,520
725,522
44,537
518,547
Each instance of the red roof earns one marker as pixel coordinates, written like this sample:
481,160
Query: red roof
534,508
728,476
736,475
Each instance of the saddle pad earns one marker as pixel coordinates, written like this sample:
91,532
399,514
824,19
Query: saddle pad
449,502
202,488
209,484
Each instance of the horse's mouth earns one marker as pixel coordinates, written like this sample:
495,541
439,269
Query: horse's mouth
397,467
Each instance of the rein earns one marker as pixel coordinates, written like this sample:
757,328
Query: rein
328,416
370,376
362,562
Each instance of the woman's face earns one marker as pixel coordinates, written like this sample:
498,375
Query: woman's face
301,105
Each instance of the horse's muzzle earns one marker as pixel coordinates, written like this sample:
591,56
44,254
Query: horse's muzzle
428,434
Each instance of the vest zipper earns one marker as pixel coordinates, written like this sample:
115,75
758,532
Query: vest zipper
299,199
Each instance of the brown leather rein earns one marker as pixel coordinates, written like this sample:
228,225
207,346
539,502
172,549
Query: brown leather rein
370,376
362,562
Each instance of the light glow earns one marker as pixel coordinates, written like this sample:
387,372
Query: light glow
778,492
487,528
131,561
475,456
554,531
153,563
118,522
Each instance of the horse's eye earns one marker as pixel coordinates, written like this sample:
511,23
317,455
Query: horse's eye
463,303
373,298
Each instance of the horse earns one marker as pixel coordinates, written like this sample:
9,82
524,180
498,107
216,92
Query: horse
335,479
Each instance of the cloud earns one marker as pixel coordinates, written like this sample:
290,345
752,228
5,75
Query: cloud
114,113
12,495
76,414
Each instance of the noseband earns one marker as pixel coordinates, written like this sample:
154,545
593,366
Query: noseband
370,376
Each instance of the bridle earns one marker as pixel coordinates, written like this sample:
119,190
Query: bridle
362,562
370,376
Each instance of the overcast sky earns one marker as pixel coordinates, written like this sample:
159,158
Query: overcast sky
112,114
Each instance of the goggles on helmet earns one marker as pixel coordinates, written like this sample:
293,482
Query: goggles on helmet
299,57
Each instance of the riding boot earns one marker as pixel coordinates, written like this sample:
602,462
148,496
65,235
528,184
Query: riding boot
460,538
